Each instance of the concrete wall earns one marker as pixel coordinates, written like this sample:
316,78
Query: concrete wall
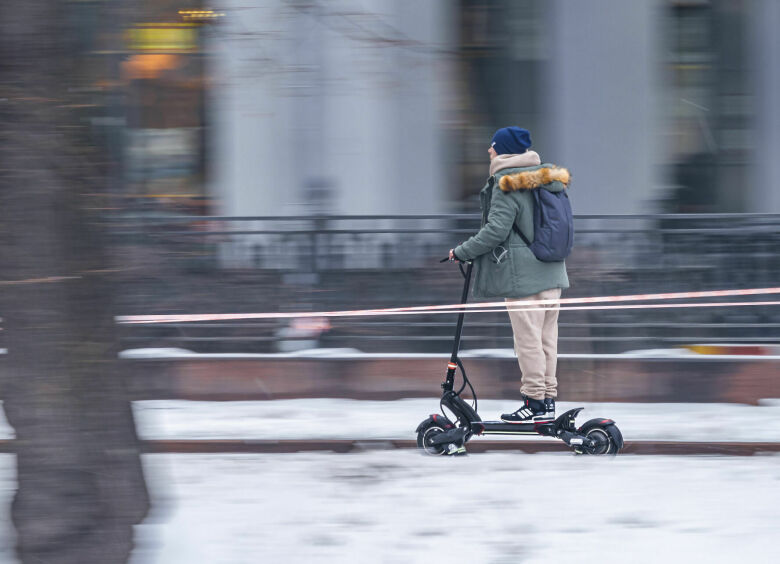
332,107
603,101
580,378
764,194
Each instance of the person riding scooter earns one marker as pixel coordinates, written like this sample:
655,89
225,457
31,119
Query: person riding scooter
507,268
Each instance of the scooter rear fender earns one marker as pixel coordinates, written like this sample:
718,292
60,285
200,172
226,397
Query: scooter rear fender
608,425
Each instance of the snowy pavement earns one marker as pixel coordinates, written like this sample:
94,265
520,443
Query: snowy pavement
769,353
364,420
399,506
357,419
403,507
7,489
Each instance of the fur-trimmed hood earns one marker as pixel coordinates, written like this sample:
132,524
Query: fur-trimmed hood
545,175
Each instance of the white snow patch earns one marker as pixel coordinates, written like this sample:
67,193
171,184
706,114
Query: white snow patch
7,490
156,353
658,353
6,431
349,354
357,419
325,353
403,507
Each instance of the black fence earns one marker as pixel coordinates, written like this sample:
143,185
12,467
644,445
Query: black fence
318,263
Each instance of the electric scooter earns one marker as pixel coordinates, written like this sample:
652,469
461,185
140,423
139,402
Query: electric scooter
439,435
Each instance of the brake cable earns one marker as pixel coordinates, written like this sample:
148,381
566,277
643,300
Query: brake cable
466,381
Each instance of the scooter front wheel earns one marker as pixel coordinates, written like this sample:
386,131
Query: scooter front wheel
426,432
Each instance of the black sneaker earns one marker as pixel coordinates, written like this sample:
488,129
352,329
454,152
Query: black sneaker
531,410
549,404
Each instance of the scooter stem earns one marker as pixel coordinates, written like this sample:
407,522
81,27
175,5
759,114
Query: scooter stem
449,382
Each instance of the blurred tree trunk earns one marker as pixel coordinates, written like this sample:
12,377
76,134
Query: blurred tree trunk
80,482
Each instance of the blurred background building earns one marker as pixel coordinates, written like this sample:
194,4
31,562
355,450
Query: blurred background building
318,155
286,107
333,107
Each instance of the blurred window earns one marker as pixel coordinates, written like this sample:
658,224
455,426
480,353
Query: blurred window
708,103
503,48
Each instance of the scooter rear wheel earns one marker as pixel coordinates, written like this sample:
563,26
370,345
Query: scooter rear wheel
604,444
608,440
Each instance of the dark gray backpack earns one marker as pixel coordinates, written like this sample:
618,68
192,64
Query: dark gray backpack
553,226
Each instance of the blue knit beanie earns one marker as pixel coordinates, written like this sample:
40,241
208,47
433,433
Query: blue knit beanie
511,140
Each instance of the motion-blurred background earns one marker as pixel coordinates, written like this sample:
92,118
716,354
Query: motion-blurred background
176,156
334,149
284,155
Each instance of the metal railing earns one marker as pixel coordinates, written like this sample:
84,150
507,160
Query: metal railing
312,263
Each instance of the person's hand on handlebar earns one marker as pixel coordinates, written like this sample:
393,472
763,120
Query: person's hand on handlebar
452,257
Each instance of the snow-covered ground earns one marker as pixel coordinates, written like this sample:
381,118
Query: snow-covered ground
355,419
400,506
769,354
7,489
403,507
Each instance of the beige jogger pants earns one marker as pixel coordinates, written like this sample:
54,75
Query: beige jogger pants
536,345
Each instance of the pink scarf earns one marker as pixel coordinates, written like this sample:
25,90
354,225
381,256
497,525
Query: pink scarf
529,158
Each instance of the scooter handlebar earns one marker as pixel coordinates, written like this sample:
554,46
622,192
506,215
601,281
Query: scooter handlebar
445,259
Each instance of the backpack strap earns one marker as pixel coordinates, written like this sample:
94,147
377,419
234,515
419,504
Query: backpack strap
516,229
537,208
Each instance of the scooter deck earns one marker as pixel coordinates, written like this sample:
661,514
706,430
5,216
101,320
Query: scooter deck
504,428
549,427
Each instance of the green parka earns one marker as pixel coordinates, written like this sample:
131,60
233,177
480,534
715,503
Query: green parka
505,266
